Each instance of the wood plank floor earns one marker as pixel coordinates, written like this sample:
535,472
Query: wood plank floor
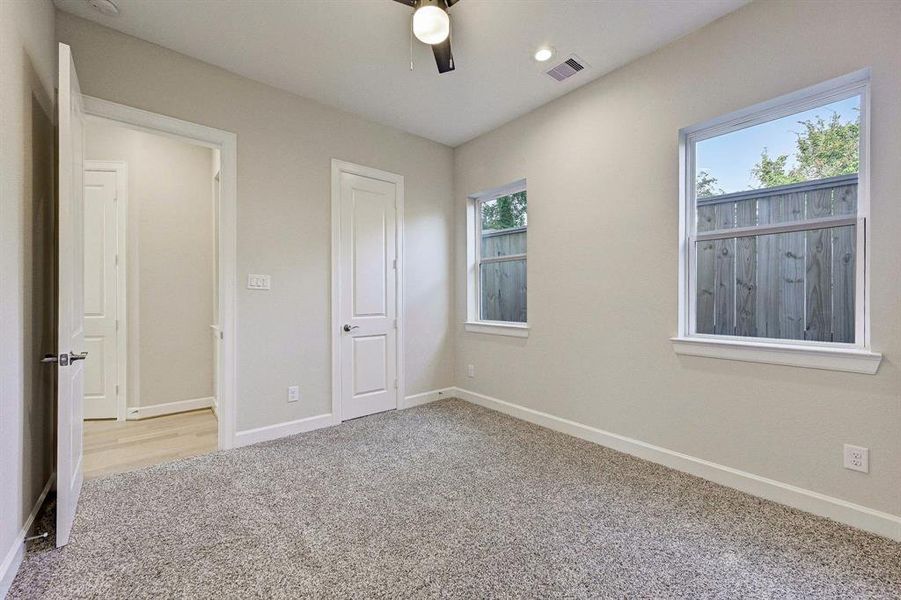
116,447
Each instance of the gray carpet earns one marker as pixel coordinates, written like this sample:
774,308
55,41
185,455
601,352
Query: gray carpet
445,500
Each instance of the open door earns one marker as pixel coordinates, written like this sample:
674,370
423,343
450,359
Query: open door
70,352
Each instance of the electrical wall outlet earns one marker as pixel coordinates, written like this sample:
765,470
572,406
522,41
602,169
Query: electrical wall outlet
857,458
471,370
258,282
293,393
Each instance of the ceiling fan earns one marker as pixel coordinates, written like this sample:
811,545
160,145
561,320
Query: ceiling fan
431,25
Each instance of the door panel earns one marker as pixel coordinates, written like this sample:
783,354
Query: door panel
95,240
94,380
367,295
370,364
370,255
100,247
70,389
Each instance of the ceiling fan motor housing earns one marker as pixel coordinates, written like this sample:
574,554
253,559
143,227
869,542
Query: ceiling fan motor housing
431,25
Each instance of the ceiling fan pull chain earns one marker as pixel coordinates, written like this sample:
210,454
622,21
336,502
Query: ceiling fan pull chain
450,35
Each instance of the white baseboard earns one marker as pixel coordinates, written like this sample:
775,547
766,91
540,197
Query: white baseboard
13,559
272,432
425,397
169,408
856,515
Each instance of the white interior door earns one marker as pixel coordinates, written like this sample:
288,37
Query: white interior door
100,294
70,357
367,271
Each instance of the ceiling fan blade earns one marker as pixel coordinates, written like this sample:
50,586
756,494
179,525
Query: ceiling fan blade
444,58
448,2
407,2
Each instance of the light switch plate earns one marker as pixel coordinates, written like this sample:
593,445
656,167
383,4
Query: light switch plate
258,282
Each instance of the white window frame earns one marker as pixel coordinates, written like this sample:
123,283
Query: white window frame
474,323
857,357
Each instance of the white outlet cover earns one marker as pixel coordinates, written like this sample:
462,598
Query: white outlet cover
471,370
857,458
293,393
258,282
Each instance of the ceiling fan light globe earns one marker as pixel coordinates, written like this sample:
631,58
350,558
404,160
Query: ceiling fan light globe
431,25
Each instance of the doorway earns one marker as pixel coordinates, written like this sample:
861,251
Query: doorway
367,290
149,298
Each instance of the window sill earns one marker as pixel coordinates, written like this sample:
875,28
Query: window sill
520,330
830,358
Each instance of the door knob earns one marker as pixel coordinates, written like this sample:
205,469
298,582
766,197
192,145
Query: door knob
348,328
63,360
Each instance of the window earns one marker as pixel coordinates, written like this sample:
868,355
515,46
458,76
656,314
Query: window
774,230
498,227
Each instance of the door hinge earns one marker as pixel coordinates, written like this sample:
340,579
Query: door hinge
117,260
117,324
395,323
395,384
117,389
394,264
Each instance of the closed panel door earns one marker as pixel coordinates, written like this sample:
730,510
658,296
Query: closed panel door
368,296
100,248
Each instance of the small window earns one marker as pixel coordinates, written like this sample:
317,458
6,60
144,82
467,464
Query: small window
497,239
775,221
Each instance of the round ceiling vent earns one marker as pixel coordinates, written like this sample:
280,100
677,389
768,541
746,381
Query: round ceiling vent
106,7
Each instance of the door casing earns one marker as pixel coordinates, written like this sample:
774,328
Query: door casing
227,144
339,167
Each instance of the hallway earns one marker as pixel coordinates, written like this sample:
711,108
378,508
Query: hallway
116,447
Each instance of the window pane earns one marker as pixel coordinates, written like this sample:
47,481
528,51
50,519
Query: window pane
504,221
503,242
503,286
811,158
796,286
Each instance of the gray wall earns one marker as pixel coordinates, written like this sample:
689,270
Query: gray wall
285,147
602,305
169,262
27,295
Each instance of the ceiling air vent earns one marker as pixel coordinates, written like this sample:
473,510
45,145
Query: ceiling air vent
567,68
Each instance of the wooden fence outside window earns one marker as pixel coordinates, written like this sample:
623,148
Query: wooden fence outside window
795,285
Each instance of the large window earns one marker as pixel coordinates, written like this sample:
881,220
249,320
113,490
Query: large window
774,222
498,226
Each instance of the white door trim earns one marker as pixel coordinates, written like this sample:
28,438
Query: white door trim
227,144
120,168
338,167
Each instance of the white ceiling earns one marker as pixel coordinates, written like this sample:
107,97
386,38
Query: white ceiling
354,54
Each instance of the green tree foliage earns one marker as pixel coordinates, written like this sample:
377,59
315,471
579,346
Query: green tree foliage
505,212
771,171
824,148
706,185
